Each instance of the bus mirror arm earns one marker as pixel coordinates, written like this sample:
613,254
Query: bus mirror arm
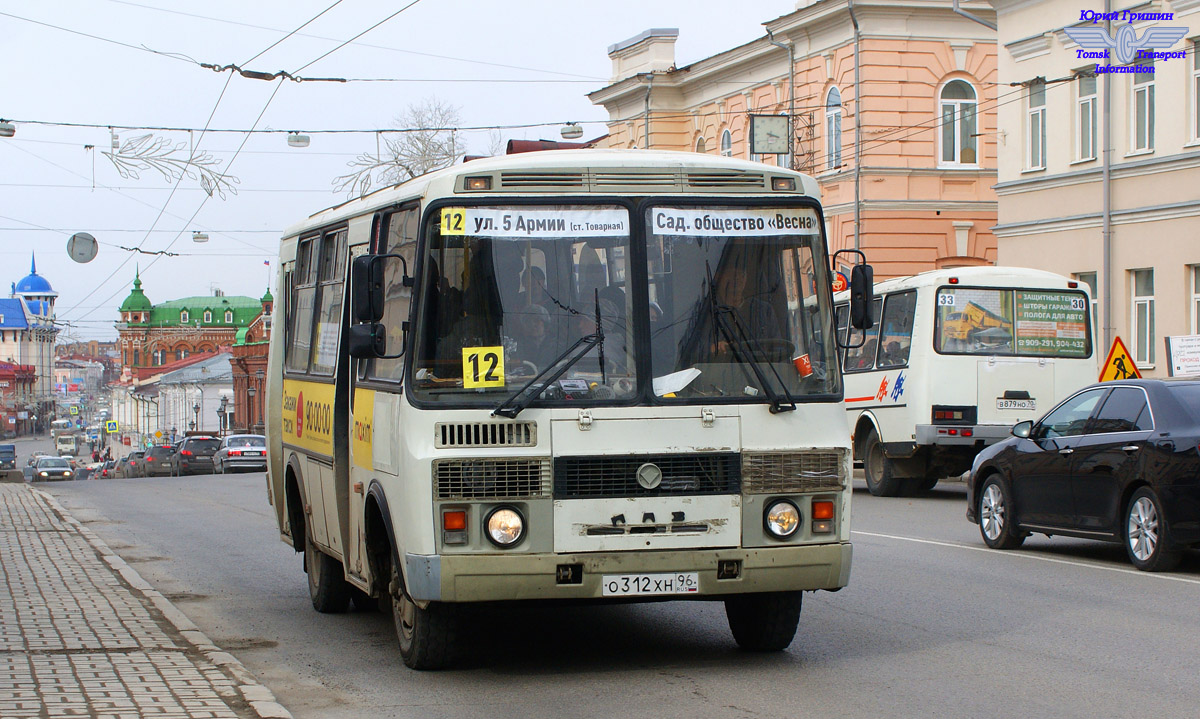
862,290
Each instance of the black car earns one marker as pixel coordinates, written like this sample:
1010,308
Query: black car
156,462
1117,461
8,456
194,455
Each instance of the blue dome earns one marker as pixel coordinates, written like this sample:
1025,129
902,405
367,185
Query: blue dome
33,283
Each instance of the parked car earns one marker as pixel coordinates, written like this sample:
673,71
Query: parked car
157,461
1117,461
8,456
194,456
130,465
241,451
107,469
48,468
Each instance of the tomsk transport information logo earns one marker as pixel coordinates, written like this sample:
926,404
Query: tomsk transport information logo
1095,42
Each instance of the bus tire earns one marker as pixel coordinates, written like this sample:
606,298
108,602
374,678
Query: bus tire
877,469
327,587
428,637
764,622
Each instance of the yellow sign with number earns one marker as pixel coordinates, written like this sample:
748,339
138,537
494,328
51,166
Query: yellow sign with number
483,367
454,221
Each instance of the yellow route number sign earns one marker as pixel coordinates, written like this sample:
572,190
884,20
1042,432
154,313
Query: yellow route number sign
483,367
454,221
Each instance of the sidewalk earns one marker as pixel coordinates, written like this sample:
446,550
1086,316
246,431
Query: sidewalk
82,635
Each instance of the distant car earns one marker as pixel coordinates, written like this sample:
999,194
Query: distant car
49,468
194,456
156,462
1116,461
130,465
241,451
107,469
8,456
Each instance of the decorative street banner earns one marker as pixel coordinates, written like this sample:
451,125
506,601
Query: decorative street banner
1183,356
1051,323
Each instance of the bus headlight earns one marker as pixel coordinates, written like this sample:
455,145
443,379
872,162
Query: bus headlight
782,519
505,527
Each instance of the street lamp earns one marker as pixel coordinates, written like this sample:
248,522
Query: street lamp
250,393
259,375
196,410
221,410
191,424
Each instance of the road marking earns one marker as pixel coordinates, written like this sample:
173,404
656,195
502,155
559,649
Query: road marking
1028,555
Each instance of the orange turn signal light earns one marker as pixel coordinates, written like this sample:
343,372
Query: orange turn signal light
822,510
454,521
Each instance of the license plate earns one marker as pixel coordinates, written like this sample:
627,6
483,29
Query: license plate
1029,404
640,585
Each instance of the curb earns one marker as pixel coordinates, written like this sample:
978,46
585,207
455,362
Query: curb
257,696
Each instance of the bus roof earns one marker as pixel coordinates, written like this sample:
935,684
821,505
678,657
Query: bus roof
617,171
979,276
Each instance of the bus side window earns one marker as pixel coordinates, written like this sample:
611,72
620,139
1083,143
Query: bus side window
896,330
862,358
329,305
302,292
401,239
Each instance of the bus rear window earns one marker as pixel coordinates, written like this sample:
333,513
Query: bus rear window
1025,322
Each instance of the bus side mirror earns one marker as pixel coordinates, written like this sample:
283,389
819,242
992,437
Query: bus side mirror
366,282
367,340
862,295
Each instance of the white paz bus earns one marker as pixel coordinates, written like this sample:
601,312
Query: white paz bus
578,375
955,358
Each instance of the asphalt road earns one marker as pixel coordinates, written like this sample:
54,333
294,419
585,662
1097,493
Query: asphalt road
933,624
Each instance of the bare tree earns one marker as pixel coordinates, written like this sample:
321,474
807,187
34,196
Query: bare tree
428,143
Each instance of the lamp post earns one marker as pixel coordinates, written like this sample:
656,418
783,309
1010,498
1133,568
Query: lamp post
191,424
221,415
196,411
251,391
259,375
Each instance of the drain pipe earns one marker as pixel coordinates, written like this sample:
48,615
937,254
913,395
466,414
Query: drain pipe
1105,285
857,131
975,18
646,120
791,48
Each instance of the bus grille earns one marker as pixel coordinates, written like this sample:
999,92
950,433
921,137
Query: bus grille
484,434
616,476
525,180
786,472
755,180
491,478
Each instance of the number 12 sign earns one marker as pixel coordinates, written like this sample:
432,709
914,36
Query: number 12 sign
483,367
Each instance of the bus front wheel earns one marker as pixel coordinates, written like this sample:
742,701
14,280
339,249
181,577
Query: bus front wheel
764,622
878,470
327,586
427,637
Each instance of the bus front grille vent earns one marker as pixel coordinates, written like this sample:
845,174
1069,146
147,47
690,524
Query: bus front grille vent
634,179
617,476
491,478
454,435
744,180
529,180
786,472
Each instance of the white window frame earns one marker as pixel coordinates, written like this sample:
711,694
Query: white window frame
229,317
1035,126
183,316
1143,352
1196,299
1141,100
1085,119
208,317
726,143
833,129
956,106
1092,281
1196,90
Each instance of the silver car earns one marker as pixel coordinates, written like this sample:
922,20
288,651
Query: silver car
241,451
48,468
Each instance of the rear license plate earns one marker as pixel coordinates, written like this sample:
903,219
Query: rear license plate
638,585
1029,404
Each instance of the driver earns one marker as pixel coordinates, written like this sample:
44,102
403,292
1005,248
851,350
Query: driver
534,344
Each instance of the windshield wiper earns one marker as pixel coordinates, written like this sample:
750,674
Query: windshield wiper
520,399
739,340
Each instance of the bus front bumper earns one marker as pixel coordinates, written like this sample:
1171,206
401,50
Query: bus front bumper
503,577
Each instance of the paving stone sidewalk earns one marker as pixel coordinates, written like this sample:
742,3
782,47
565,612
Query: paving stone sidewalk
83,635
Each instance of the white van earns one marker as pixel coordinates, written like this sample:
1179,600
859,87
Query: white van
955,359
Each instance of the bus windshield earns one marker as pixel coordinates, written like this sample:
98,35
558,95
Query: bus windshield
1027,322
509,289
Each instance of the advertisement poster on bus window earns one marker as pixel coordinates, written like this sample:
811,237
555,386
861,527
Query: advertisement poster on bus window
1051,323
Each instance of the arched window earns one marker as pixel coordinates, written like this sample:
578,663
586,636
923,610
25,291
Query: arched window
228,317
207,316
958,124
700,145
158,358
183,316
726,144
181,353
833,128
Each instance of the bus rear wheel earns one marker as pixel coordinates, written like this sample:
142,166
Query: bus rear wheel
764,622
877,469
428,637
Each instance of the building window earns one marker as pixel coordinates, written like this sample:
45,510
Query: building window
183,317
1142,106
833,128
181,354
958,124
1196,299
228,317
1142,317
159,358
1036,126
1085,112
726,144
207,316
1196,89
1089,279
700,144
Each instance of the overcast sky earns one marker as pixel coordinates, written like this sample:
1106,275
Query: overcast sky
53,185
